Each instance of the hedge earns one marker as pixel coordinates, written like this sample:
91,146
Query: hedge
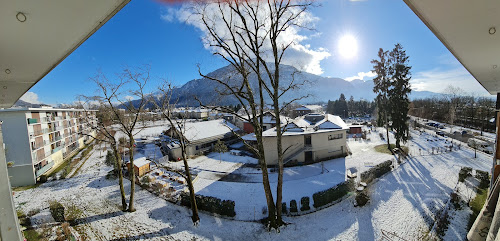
377,171
57,211
210,204
293,206
304,204
332,194
484,178
283,208
464,173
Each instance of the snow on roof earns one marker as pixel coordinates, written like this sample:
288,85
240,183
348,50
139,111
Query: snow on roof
194,131
249,137
302,125
310,107
139,162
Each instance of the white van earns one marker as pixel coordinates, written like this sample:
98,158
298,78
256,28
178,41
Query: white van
480,145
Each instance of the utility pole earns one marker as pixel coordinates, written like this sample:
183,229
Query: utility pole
9,224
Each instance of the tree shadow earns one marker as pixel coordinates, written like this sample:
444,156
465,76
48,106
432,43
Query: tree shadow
98,217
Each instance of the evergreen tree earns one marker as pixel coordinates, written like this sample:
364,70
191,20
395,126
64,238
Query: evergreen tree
398,94
382,84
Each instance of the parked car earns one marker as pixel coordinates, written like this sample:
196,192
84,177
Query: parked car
464,132
480,145
440,133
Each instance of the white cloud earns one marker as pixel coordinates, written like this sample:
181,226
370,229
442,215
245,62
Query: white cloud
436,80
300,55
169,14
30,97
361,76
129,98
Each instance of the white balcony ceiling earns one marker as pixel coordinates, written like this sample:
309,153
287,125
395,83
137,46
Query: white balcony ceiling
52,30
470,30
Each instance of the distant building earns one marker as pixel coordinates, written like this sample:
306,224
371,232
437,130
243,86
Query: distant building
307,139
355,129
37,140
306,109
201,137
192,113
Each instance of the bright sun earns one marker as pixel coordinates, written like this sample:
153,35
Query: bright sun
348,46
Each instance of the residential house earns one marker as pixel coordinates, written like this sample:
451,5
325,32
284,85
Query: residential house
307,139
268,122
38,140
306,109
201,137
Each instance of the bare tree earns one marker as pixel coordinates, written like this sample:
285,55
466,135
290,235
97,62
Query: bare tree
453,95
117,95
106,133
178,129
249,35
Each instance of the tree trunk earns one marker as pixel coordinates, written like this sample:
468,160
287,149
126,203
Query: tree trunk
120,177
279,189
194,208
387,130
131,207
265,182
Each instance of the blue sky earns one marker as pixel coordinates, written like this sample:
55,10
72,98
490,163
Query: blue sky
149,32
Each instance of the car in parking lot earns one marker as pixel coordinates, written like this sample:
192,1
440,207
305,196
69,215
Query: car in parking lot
440,133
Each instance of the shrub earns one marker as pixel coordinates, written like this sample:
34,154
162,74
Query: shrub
210,204
57,211
283,208
110,159
304,204
484,178
43,178
332,194
293,206
361,199
464,173
113,174
376,172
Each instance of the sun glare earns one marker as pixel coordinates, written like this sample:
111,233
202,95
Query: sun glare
348,46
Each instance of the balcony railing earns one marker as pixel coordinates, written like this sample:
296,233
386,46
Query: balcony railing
44,169
56,149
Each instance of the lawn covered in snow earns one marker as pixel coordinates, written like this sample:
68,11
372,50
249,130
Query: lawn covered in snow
403,202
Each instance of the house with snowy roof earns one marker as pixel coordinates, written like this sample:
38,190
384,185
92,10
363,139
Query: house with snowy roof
306,109
308,139
268,122
201,137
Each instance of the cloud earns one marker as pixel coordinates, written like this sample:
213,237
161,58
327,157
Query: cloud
30,97
129,98
300,55
361,76
436,80
169,14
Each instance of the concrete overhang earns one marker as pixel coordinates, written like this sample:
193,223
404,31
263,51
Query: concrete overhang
38,35
470,30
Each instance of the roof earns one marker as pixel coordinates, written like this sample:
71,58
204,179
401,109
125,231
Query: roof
38,35
310,107
139,162
311,123
470,31
195,131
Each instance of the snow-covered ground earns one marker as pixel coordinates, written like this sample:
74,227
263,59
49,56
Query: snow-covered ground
403,202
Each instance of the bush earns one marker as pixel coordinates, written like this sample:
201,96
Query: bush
464,173
362,199
283,208
332,194
43,178
113,174
376,172
304,204
57,211
110,159
210,204
293,206
484,179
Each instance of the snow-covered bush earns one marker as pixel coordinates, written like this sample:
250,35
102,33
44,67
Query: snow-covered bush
361,199
332,194
57,211
304,204
484,178
464,173
210,204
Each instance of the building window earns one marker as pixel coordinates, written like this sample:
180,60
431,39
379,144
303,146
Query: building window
335,136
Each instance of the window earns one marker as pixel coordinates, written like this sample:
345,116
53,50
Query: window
335,136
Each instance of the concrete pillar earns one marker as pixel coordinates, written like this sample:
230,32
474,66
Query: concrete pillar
9,225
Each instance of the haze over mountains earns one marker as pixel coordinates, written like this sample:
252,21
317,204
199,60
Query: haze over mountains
318,88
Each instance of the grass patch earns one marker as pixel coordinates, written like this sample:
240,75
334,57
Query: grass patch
383,148
18,189
70,163
477,204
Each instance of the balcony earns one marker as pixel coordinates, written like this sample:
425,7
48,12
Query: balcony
56,149
32,121
44,169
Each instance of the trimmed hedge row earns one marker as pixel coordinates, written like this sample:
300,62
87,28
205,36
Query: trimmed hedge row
332,194
377,171
304,204
210,204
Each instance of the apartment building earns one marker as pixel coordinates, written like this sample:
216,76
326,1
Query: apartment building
38,140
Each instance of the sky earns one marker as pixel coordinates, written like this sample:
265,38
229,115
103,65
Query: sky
162,36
